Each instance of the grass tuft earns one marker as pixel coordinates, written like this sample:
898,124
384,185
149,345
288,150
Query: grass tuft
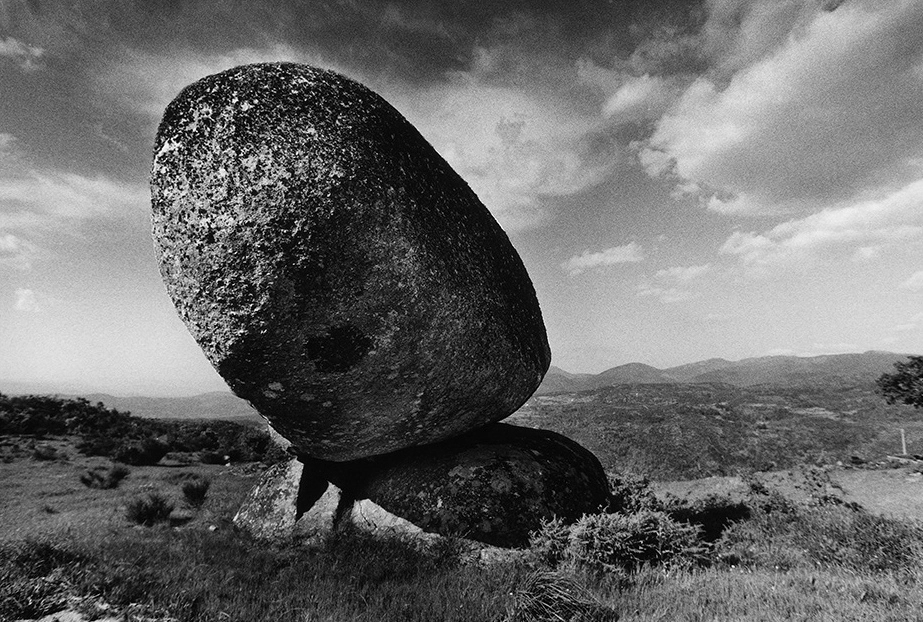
149,510
45,453
548,596
195,489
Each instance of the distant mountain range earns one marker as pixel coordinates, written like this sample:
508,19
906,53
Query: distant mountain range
787,371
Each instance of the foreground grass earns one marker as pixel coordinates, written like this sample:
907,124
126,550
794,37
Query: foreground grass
201,575
67,544
206,576
829,594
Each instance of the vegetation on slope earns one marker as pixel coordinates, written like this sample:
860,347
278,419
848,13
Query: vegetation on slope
686,431
820,559
133,440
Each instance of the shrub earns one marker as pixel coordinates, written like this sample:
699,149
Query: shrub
213,457
713,514
620,542
613,542
146,452
194,490
547,595
826,532
104,478
550,542
630,493
149,510
45,453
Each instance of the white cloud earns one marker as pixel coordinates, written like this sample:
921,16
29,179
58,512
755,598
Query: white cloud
7,142
17,252
27,57
666,295
818,349
682,274
910,325
627,253
514,143
34,201
817,116
36,198
915,282
145,83
739,33
672,285
64,195
867,227
644,97
26,300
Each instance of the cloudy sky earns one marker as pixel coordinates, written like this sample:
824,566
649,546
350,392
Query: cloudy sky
730,178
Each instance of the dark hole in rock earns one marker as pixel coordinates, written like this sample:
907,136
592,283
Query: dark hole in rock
338,350
310,490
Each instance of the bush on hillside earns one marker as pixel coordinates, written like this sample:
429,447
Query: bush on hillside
146,452
195,489
45,453
629,493
133,440
104,478
905,384
781,535
149,510
712,514
619,543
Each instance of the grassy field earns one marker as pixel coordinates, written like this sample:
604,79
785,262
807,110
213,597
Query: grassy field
800,554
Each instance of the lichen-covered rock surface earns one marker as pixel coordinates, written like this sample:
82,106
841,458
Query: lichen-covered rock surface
290,504
270,510
335,270
494,485
294,504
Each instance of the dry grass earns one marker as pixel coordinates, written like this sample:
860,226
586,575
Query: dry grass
60,538
764,595
556,597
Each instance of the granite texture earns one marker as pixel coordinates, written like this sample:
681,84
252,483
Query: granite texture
494,485
335,270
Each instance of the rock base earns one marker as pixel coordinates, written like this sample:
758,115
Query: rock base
294,504
494,486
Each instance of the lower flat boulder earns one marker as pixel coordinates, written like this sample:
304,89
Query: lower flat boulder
494,485
292,504
289,504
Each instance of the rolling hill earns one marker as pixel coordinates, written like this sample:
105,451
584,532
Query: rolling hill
859,370
783,371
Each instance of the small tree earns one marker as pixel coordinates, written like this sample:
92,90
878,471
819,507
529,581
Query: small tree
905,384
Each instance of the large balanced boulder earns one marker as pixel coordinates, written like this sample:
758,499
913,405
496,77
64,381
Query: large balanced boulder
335,270
494,485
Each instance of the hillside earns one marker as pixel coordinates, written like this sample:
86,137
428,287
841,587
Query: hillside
689,430
784,371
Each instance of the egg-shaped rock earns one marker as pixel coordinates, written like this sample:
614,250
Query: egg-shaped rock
335,270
